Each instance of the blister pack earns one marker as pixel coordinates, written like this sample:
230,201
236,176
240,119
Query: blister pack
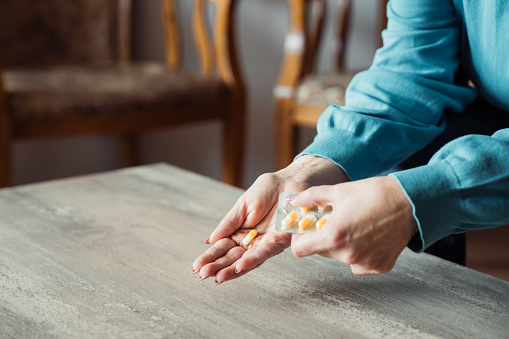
294,219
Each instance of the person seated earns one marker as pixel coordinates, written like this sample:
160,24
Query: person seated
412,108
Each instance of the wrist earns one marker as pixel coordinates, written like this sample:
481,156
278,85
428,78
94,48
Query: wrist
314,171
396,195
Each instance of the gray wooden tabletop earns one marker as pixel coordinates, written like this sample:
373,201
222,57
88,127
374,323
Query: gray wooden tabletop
110,255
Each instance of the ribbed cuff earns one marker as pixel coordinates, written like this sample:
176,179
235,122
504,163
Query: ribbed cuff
346,150
435,198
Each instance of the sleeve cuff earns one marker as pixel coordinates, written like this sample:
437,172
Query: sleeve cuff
353,155
433,192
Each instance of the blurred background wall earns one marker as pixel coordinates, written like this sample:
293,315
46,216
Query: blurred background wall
261,27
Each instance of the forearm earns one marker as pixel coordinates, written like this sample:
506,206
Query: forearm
396,107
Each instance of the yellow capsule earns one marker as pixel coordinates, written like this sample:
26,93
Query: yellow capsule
306,221
321,222
289,220
305,210
249,237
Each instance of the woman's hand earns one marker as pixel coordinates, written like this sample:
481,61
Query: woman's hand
256,209
371,223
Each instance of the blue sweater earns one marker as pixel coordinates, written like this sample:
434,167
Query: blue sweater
396,108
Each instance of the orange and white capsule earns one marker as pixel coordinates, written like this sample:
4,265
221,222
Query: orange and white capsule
321,221
249,237
289,220
306,221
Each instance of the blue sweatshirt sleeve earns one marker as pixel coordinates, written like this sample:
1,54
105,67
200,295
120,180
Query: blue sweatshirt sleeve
397,107
465,186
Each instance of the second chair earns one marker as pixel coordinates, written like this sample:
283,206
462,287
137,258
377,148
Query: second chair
301,93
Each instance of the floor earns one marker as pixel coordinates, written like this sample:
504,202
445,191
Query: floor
488,251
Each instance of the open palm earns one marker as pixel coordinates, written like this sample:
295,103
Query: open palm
256,209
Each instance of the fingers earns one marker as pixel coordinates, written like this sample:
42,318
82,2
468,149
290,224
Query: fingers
217,251
318,195
222,263
270,245
264,249
307,244
230,223
226,260
252,209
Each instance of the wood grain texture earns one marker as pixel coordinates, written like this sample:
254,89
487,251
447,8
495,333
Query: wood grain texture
110,255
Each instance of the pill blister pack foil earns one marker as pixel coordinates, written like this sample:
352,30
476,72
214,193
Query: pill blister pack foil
285,210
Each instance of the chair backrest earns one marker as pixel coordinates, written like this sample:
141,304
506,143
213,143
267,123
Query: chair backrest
215,45
63,32
50,32
305,32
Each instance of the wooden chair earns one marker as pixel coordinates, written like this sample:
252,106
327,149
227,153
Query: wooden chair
67,72
301,94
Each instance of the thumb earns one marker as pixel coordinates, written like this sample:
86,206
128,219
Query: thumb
317,195
229,224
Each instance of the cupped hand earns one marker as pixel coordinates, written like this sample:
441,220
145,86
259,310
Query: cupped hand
371,223
228,258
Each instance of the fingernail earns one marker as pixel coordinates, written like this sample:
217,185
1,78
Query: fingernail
200,277
218,282
237,271
207,240
195,271
291,197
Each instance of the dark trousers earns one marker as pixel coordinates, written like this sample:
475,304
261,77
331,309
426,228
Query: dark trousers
479,117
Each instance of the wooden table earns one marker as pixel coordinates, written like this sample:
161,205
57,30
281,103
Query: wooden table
110,255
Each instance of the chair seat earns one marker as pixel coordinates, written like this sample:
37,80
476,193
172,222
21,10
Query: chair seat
323,89
91,90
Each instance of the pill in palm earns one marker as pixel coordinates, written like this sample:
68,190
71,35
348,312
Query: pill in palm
249,237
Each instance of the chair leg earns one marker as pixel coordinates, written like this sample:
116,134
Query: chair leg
5,141
234,136
129,150
285,136
6,162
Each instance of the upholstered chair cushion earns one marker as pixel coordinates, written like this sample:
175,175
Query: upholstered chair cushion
105,88
44,32
323,89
